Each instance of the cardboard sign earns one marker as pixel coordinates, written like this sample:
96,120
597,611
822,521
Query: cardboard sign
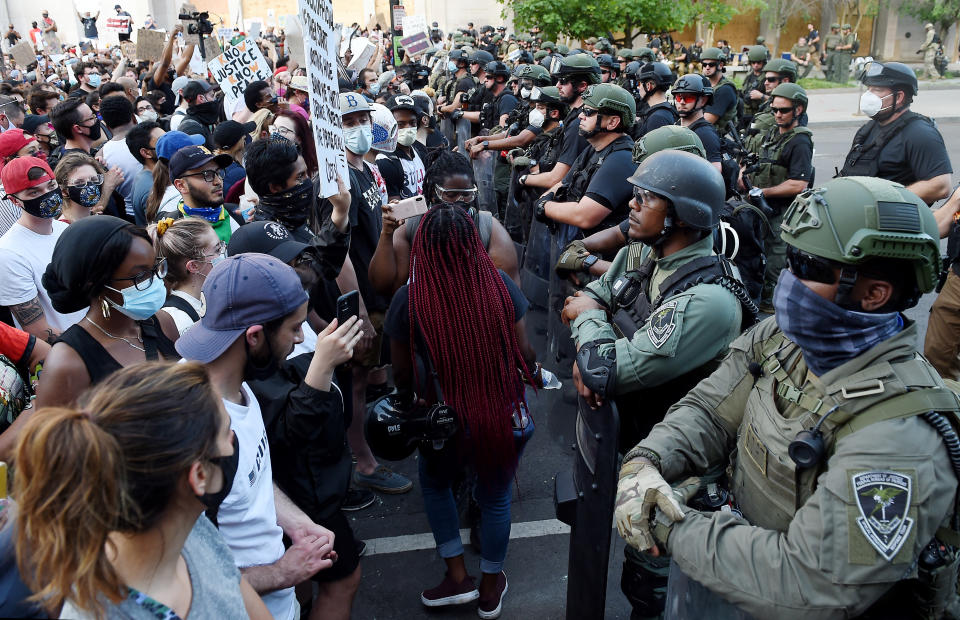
129,49
225,33
237,67
363,50
118,24
254,31
412,24
415,45
399,12
23,53
294,40
150,44
316,19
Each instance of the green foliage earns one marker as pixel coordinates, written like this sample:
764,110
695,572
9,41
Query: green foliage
942,13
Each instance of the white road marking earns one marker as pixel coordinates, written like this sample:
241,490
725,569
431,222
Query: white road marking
416,542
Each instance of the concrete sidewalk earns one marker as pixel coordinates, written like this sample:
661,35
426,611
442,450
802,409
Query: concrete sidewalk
840,106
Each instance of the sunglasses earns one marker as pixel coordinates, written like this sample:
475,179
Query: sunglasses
710,64
588,112
809,267
781,110
604,72
644,196
770,80
685,97
564,80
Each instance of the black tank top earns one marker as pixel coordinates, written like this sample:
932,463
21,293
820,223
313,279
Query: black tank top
100,364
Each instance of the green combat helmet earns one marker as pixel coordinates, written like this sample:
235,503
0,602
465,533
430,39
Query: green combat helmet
583,65
643,54
548,45
757,53
540,55
855,220
782,66
539,75
713,53
835,26
562,49
668,137
612,98
793,92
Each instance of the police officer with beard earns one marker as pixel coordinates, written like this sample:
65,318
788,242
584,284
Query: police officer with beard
898,144
839,439
659,319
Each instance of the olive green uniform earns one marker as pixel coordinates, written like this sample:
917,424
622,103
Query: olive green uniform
830,43
751,106
844,57
805,546
929,49
800,52
701,322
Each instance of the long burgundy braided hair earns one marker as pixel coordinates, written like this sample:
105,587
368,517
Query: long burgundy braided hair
466,317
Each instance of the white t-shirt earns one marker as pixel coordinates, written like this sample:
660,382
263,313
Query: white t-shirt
181,318
24,256
309,344
248,516
116,153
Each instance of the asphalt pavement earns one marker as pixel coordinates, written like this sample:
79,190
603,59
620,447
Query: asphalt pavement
401,560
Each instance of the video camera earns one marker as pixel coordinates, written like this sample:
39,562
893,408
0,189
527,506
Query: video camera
202,25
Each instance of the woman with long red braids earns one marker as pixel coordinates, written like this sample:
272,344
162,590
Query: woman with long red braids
458,329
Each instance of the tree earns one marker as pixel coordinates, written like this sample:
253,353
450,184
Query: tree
854,11
778,12
710,14
581,19
941,13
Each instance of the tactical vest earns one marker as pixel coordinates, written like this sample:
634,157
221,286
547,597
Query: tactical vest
863,160
451,86
770,172
545,148
519,117
640,129
483,220
574,190
488,113
735,112
768,486
477,97
831,41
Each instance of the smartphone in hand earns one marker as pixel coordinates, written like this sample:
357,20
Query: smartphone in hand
408,207
348,305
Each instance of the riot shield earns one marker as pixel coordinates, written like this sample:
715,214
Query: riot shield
687,598
584,499
463,129
512,216
560,344
448,131
483,173
535,273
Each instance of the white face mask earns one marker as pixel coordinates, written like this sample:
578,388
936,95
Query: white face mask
358,139
871,104
536,118
525,93
148,115
407,136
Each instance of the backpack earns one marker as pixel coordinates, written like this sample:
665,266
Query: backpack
15,393
740,238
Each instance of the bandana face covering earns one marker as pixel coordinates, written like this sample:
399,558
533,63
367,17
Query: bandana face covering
290,207
827,334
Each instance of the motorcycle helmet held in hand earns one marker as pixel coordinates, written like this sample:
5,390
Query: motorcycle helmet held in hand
393,429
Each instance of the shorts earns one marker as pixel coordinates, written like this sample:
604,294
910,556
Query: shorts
371,359
344,543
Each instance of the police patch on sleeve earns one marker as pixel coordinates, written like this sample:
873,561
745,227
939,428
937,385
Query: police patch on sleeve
883,498
663,322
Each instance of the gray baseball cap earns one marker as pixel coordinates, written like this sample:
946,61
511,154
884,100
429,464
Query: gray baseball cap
240,292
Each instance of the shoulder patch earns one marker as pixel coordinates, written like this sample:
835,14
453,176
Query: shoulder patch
883,499
662,323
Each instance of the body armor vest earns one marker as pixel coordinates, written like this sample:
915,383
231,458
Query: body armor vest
733,114
770,172
580,178
864,157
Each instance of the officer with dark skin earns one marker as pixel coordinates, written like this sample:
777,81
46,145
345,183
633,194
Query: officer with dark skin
833,429
897,143
784,170
659,319
752,91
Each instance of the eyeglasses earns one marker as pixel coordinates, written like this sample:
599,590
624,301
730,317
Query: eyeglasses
644,196
457,195
208,175
219,250
286,132
97,180
809,267
604,72
588,112
781,110
770,80
710,64
88,119
685,97
144,279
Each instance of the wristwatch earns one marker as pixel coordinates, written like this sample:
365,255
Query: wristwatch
590,260
756,192
523,179
486,144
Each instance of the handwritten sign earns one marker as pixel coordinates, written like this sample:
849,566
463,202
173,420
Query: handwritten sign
363,51
150,44
416,44
320,43
129,49
412,24
119,24
237,67
399,12
254,30
23,53
294,40
225,33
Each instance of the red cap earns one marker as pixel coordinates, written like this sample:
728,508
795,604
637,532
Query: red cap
15,174
12,140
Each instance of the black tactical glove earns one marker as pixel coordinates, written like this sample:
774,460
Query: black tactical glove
540,208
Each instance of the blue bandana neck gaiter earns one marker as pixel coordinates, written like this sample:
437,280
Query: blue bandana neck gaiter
211,214
827,334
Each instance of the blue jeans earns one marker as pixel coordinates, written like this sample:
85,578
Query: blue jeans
493,497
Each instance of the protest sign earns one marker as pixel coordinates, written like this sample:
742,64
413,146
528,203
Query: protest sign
150,44
237,67
23,53
118,24
316,19
225,33
363,50
254,30
129,49
415,45
412,24
294,40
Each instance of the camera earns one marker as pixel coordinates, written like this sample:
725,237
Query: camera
202,25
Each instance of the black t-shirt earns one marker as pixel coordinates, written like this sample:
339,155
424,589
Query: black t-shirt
464,84
168,104
12,37
506,105
797,156
708,135
660,115
916,153
609,186
365,227
572,143
89,27
723,98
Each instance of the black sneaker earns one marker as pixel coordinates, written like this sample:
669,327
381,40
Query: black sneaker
358,499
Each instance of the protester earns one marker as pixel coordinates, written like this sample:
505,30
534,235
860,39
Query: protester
125,477
191,248
142,143
118,115
289,125
203,111
163,195
83,181
231,139
75,121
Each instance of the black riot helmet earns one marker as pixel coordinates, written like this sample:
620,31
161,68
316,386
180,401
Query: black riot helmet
693,186
657,72
892,75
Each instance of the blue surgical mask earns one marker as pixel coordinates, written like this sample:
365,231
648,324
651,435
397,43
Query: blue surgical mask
451,66
141,305
94,80
358,139
374,89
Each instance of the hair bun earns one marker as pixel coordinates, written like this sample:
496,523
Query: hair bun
63,299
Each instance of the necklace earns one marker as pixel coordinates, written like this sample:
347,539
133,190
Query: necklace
109,335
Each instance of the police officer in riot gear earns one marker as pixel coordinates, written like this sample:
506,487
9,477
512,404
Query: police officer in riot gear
654,78
784,169
752,91
501,102
659,319
777,71
897,143
609,69
725,101
691,94
844,465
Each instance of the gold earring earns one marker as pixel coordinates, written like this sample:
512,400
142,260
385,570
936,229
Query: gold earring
104,308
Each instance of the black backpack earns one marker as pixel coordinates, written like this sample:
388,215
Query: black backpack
740,238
